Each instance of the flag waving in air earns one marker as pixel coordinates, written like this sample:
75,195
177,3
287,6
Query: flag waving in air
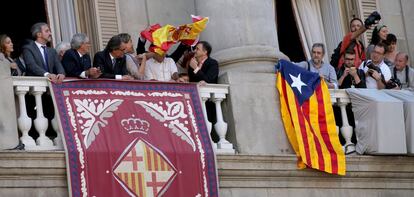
163,37
188,34
307,115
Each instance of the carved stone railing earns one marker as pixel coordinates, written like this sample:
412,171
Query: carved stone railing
38,86
216,93
341,99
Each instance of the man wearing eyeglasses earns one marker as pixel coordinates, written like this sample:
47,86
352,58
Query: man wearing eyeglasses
316,64
376,71
112,61
348,75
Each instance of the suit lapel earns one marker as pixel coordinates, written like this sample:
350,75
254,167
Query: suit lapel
108,61
39,55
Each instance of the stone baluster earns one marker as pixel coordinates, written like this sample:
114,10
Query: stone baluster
223,146
24,121
55,125
346,129
41,123
204,97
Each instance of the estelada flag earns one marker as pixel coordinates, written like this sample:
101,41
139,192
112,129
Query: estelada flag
188,34
306,111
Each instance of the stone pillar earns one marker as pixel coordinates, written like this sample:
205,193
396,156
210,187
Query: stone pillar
8,124
243,35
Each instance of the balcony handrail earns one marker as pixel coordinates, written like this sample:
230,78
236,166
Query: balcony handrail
37,86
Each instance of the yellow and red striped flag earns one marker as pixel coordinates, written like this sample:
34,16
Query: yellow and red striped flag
307,115
189,33
147,33
163,39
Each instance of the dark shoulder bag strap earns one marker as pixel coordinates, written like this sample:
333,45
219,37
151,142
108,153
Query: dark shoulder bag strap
407,78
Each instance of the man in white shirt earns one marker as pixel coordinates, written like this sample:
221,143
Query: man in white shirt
376,71
161,68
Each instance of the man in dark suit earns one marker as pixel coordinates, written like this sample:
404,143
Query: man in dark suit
112,61
40,59
202,66
76,61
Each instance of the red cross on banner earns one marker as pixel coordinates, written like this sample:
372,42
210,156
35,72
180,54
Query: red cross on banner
134,159
154,184
170,151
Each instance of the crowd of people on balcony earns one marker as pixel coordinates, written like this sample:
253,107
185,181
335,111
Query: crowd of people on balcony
117,61
378,66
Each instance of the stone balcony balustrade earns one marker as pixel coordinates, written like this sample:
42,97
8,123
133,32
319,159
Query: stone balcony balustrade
39,86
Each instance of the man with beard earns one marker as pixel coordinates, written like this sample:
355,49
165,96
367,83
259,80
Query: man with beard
40,59
348,75
316,64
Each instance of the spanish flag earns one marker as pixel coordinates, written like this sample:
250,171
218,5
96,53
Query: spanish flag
147,33
188,34
160,37
307,115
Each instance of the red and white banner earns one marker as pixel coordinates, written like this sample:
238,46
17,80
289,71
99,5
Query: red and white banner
135,139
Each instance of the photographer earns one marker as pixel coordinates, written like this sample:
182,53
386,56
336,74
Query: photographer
402,72
352,40
348,75
376,71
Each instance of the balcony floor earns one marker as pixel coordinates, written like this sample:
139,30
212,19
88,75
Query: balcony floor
44,174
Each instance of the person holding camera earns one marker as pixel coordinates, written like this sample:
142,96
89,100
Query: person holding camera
402,72
376,71
348,75
352,40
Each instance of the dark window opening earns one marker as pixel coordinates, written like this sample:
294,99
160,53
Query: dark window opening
18,27
288,34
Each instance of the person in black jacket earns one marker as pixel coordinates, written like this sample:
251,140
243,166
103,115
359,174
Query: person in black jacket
112,61
350,76
40,59
202,67
76,61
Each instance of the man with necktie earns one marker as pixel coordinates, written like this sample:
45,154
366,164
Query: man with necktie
76,61
40,59
112,61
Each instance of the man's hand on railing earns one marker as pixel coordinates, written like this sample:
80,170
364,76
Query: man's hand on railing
56,78
60,78
202,83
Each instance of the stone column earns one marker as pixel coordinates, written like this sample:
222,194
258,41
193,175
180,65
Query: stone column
243,35
8,124
241,32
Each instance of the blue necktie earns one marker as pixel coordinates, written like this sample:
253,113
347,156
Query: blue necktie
46,65
113,63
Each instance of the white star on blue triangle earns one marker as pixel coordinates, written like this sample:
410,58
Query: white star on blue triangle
297,83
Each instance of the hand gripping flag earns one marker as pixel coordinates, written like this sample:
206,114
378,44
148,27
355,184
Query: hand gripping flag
306,111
